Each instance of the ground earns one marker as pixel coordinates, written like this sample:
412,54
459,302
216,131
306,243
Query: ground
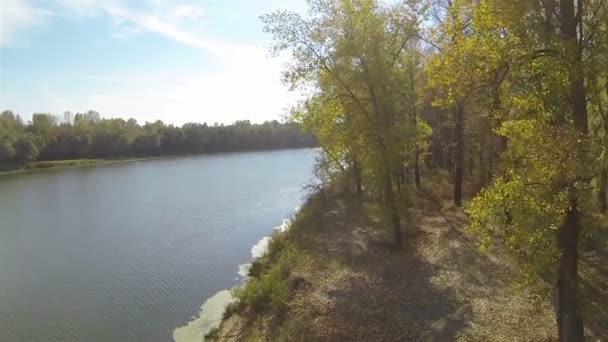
438,287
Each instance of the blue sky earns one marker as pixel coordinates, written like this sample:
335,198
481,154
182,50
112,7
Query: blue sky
178,61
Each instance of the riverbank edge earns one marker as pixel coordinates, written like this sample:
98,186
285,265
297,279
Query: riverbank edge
40,166
296,291
292,291
270,283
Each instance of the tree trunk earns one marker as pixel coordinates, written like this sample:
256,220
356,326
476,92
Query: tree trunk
482,166
602,190
470,164
490,169
417,168
569,319
450,151
392,207
357,177
437,157
604,174
415,124
398,181
458,153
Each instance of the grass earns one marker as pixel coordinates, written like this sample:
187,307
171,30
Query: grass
267,292
212,334
60,164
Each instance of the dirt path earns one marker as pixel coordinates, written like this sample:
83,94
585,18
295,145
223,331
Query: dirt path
439,287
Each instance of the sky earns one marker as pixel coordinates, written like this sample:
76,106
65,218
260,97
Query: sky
177,61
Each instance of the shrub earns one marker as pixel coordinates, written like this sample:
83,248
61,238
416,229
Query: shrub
269,291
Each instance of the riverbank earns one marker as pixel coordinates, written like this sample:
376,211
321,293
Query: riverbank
65,164
73,163
333,277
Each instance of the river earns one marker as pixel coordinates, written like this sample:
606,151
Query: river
130,252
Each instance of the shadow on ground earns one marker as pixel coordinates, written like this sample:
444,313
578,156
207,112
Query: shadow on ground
594,286
438,287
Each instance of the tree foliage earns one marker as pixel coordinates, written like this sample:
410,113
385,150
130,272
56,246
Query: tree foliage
87,135
511,97
355,57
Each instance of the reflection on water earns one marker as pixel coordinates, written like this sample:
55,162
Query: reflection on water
210,316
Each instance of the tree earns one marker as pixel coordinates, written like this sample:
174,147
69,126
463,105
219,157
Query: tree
147,145
87,135
26,149
352,53
533,71
7,151
11,128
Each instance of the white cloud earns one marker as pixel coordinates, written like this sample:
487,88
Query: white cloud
246,85
189,12
247,88
81,8
18,17
159,17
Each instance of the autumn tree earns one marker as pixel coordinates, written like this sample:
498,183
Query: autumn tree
531,59
353,56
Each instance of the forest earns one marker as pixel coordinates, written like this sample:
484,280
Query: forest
87,135
509,97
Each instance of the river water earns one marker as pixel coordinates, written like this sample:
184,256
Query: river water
130,252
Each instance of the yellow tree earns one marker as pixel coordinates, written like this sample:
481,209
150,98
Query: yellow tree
535,50
350,52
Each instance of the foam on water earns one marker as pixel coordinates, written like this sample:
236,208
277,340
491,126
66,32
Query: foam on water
260,248
244,270
210,315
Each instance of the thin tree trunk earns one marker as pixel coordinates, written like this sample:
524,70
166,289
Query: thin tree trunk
458,153
603,184
388,183
417,168
334,159
482,166
357,177
602,190
392,206
449,160
569,319
415,124
438,155
469,171
398,181
490,169
604,172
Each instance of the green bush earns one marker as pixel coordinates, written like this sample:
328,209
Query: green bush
230,310
269,291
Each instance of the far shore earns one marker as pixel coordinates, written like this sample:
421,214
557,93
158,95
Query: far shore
38,166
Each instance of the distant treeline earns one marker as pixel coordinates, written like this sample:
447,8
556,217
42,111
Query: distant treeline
87,135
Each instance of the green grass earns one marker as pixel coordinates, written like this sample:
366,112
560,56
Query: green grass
60,164
267,291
